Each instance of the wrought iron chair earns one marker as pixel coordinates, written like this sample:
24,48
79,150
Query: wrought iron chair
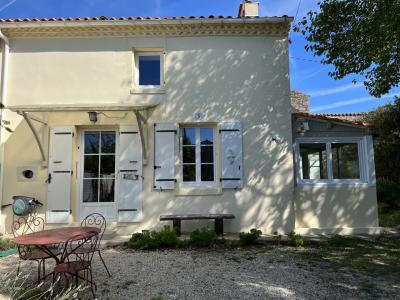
81,267
96,220
29,224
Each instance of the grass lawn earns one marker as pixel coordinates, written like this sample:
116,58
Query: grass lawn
389,219
375,256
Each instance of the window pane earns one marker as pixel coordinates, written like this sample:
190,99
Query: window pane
107,166
189,154
107,190
149,70
91,142
189,172
345,161
90,190
207,154
108,142
207,172
188,136
91,166
206,136
313,161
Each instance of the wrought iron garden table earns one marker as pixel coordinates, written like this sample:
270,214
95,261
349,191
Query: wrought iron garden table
46,240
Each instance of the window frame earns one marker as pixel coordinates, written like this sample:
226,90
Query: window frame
137,74
198,183
82,166
362,160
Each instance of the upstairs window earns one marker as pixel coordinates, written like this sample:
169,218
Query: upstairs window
149,68
198,155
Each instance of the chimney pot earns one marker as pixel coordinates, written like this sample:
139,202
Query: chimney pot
248,9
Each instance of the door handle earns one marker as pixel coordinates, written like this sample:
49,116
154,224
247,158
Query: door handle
48,180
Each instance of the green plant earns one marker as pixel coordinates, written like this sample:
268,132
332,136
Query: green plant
388,193
6,244
157,298
295,239
249,238
19,288
166,238
204,237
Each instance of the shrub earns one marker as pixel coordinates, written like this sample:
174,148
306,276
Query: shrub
295,239
249,238
166,238
204,237
6,244
388,193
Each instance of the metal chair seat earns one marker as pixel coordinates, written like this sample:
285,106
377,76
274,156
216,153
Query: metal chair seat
72,266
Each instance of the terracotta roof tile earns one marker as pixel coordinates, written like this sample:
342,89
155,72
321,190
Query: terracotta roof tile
105,18
326,118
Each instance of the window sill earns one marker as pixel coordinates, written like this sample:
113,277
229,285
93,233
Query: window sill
141,90
198,191
335,183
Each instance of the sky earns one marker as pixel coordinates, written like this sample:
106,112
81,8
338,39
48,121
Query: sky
306,73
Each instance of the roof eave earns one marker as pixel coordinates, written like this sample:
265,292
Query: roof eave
74,23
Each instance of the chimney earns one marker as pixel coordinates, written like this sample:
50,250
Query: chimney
248,9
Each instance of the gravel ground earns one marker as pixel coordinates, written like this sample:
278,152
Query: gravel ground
258,273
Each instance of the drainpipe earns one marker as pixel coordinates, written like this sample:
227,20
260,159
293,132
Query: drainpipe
3,94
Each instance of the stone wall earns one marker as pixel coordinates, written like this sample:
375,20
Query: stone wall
300,101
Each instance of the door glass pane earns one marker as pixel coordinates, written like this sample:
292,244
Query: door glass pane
345,161
189,172
91,166
189,154
188,136
90,190
207,154
149,70
108,142
206,136
313,161
92,140
207,172
107,190
107,166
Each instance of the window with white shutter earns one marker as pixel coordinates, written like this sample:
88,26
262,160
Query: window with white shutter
60,172
231,155
165,135
130,178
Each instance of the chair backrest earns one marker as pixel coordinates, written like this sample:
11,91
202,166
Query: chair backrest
75,243
95,220
27,224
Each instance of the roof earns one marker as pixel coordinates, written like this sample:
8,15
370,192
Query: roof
132,18
145,26
339,115
331,119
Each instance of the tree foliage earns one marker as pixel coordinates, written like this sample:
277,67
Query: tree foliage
357,37
386,122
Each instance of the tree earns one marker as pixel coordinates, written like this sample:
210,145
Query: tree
386,123
357,37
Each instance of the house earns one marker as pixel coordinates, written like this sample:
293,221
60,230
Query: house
138,117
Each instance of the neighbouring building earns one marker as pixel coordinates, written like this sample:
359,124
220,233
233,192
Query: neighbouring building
138,117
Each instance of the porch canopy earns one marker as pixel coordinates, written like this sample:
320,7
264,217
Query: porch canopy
138,110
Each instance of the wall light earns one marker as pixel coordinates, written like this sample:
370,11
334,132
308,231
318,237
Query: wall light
92,116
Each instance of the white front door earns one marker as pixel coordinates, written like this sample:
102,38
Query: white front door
98,173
